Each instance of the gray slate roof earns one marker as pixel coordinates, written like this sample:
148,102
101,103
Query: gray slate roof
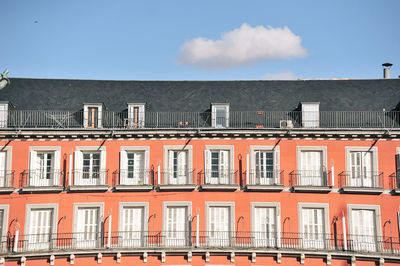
333,95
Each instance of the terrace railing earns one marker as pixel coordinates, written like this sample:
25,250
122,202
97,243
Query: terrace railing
237,119
361,179
313,178
42,178
268,178
177,177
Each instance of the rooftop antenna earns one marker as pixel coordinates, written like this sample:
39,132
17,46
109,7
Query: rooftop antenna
386,70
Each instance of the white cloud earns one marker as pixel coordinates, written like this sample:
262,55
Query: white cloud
242,46
283,75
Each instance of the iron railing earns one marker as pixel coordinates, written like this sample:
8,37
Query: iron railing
7,179
367,179
219,177
42,178
178,176
313,178
133,177
237,119
98,239
89,178
269,178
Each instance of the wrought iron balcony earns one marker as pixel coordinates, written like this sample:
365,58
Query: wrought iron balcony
370,182
89,178
42,178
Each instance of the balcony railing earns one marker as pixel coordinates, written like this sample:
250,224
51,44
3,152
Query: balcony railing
219,177
361,179
237,119
95,240
7,179
266,178
311,178
126,177
42,178
177,177
89,178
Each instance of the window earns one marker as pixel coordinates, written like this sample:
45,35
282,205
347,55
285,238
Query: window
3,225
4,114
265,224
362,164
176,223
41,225
134,169
135,115
90,165
219,165
220,219
178,165
5,167
92,115
264,165
133,224
310,114
87,224
364,225
314,224
220,114
44,166
311,165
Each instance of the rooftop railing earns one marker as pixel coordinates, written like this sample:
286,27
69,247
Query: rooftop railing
236,119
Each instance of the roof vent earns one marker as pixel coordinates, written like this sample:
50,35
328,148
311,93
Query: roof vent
386,70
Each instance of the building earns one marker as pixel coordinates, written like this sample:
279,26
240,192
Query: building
199,172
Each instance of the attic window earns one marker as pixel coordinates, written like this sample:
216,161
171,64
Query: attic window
220,114
92,115
135,115
310,114
3,114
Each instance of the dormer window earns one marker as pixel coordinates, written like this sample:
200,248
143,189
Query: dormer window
4,114
310,114
92,115
220,114
135,115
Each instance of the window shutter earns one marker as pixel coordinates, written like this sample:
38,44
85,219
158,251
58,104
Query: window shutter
397,160
277,166
207,166
123,166
227,116
33,161
141,116
224,166
213,117
56,167
103,160
78,164
2,170
100,116
182,163
169,173
85,116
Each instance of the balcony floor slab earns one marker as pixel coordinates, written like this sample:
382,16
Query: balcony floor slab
6,190
42,189
216,187
134,188
99,188
270,188
312,189
362,190
172,187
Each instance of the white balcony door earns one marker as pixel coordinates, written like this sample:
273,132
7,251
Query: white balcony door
313,233
265,226
265,168
310,115
219,233
361,169
178,165
311,168
44,168
3,175
40,228
217,167
90,168
132,226
176,226
88,227
363,230
133,168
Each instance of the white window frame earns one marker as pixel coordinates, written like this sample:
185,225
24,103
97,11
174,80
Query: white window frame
210,148
86,107
311,205
8,164
375,208
56,167
324,166
230,205
130,123
374,152
54,225
305,114
144,205
214,107
78,163
277,206
123,166
5,208
167,169
4,107
276,155
79,205
166,205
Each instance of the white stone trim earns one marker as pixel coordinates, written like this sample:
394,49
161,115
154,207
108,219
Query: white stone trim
376,208
29,208
230,148
274,149
8,151
323,149
276,205
229,204
6,210
374,150
312,205
188,148
99,205
144,205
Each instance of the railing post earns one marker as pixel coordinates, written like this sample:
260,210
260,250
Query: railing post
197,230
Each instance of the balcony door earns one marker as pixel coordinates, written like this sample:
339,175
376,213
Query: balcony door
265,226
217,167
93,117
3,175
132,221
363,235
264,163
134,171
219,231
40,229
88,227
176,226
178,165
361,169
311,168
91,169
313,231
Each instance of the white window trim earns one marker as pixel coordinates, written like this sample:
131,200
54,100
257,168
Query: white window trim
144,205
229,204
77,206
214,106
311,205
142,116
101,150
276,205
57,165
166,204
303,114
188,148
373,150
86,106
5,208
145,149
29,208
376,208
274,149
8,151
230,148
323,149
4,116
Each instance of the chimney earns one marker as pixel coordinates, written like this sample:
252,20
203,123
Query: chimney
386,70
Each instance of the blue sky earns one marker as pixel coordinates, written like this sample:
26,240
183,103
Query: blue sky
199,40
